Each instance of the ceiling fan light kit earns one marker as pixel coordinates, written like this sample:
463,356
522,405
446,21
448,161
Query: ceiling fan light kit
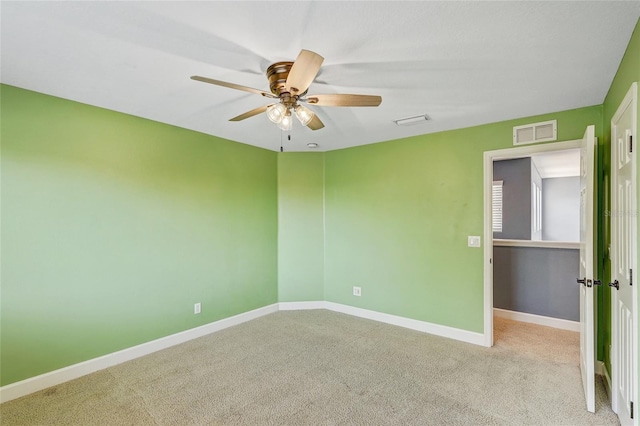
286,122
304,114
289,82
276,112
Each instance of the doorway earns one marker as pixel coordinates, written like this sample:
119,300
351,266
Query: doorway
489,158
588,280
536,239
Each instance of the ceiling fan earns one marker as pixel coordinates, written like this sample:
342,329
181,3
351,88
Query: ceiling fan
289,82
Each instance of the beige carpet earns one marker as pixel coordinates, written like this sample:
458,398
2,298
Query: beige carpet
325,368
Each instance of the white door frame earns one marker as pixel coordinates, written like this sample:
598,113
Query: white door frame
489,158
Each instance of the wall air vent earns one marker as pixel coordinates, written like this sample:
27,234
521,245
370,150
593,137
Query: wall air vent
545,131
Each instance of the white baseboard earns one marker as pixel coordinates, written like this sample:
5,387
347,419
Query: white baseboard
302,306
425,327
52,378
56,377
537,319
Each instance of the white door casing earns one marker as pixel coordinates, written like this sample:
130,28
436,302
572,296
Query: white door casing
587,341
624,237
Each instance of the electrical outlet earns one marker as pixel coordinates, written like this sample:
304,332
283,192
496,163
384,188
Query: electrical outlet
357,291
196,308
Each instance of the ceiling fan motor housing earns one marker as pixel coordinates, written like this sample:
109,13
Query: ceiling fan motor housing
277,74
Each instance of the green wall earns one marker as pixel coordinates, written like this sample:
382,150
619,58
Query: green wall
398,215
628,72
114,226
300,227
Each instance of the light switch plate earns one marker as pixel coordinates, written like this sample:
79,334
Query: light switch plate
474,241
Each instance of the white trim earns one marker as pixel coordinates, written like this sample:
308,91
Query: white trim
488,158
423,326
562,324
56,377
301,306
488,250
539,244
528,151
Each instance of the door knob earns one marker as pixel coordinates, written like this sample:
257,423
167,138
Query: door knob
615,284
582,281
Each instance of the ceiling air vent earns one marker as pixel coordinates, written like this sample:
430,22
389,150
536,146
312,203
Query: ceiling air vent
545,131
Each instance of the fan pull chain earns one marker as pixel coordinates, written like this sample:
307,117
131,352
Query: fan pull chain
288,138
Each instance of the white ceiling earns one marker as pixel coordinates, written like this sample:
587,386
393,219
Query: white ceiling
557,164
462,63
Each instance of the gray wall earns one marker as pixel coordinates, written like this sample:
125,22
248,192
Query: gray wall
516,194
540,281
561,209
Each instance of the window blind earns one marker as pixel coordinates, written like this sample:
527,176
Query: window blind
496,206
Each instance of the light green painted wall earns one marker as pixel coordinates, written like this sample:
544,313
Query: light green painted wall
114,226
300,227
628,72
398,213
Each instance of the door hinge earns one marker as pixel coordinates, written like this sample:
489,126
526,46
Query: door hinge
630,276
630,144
631,406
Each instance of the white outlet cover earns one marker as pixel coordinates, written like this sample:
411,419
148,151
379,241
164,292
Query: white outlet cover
357,291
474,241
196,308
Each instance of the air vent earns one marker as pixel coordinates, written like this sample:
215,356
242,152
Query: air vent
410,121
545,131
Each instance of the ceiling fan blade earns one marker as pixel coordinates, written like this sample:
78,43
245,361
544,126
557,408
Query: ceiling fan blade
251,113
315,123
303,71
344,100
232,86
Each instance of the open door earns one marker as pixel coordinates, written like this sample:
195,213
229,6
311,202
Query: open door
586,279
624,242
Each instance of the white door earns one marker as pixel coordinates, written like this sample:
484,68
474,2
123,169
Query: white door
587,344
623,242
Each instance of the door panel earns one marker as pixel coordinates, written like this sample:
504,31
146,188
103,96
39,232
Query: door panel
622,261
587,342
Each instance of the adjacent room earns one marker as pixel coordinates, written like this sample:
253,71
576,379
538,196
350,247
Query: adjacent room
536,244
284,212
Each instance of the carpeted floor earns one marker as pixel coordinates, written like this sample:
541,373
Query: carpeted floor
325,368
